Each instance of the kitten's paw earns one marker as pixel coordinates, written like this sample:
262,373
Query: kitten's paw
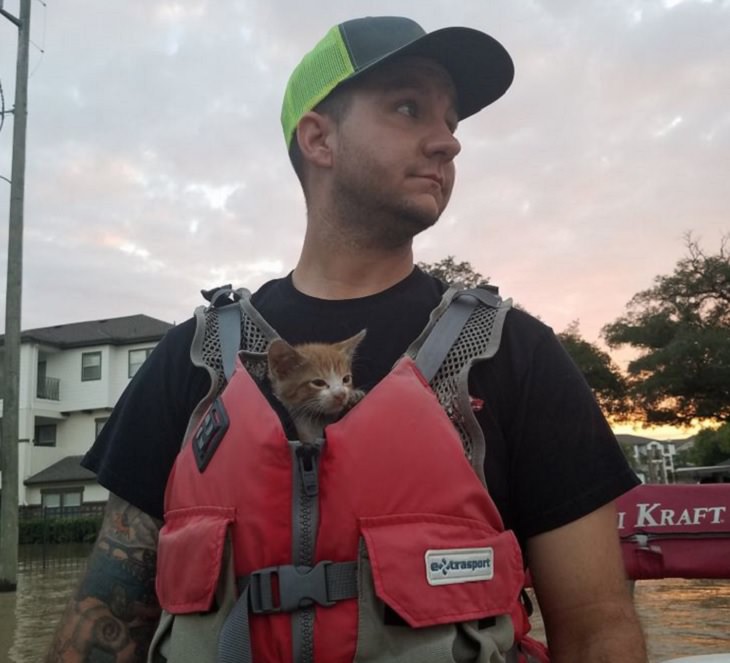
355,397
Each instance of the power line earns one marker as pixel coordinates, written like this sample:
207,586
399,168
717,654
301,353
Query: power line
42,48
2,106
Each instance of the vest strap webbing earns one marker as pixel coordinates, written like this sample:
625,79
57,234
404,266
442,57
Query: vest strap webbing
447,328
229,322
234,643
299,586
225,299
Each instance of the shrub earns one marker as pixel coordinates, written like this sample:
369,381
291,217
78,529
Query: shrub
59,530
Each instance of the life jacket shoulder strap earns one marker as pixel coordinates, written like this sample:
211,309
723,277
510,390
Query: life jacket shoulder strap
228,325
465,328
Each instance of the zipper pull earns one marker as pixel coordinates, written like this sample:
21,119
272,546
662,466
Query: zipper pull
308,460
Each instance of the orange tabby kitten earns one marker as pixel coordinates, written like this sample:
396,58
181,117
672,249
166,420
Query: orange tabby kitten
314,382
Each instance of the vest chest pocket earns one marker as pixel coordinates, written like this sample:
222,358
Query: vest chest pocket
452,581
195,584
190,557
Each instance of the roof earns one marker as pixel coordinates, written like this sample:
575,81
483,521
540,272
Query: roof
638,440
65,470
113,331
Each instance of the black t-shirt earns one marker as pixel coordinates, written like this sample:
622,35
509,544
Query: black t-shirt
550,455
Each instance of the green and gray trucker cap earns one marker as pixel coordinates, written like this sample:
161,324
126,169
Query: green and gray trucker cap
479,65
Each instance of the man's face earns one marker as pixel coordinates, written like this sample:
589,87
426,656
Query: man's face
395,148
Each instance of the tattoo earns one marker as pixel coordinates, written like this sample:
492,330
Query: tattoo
114,612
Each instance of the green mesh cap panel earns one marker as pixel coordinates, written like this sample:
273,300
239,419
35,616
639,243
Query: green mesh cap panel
478,64
319,72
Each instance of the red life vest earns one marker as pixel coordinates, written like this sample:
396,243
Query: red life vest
392,473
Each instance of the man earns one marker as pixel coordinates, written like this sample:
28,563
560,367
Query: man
369,118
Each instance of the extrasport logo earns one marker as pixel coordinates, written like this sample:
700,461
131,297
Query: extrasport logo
459,565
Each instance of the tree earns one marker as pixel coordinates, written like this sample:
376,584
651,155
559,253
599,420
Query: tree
602,375
599,371
454,273
681,326
711,446
628,452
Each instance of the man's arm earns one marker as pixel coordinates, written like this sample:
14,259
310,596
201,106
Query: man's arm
113,613
579,580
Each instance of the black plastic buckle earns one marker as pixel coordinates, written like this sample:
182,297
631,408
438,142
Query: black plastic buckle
222,295
298,587
209,434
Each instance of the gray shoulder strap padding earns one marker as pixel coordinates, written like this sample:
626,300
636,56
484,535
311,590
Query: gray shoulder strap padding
196,358
256,318
460,305
229,328
464,329
230,323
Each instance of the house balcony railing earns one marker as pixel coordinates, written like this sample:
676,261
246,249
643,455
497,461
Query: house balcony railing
49,389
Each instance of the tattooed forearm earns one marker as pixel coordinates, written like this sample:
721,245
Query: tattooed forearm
113,614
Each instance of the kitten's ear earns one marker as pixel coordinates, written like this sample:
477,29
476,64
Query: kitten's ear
283,358
349,345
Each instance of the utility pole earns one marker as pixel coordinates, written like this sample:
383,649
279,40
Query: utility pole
9,441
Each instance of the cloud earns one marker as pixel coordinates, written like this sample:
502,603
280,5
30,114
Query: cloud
156,164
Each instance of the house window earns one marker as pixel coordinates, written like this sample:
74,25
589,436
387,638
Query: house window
45,435
136,359
66,498
90,366
99,424
51,500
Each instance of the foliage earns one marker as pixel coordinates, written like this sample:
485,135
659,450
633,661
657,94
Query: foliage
59,530
454,273
603,376
681,326
599,371
628,452
711,446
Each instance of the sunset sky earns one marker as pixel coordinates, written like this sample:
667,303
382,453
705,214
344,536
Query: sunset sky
156,165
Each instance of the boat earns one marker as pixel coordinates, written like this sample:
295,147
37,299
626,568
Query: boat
706,658
677,531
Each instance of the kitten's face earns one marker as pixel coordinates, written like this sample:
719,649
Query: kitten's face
313,380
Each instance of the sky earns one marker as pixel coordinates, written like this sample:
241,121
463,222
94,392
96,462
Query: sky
156,164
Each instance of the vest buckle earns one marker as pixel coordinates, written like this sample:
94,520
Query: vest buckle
288,588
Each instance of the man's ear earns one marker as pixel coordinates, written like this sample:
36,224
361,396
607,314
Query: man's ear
315,133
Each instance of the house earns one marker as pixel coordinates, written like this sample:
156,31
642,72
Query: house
654,461
70,378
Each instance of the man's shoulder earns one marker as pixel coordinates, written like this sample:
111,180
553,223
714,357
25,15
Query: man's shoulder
526,325
272,287
524,338
179,336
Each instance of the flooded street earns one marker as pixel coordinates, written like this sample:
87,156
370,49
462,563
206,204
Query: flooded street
28,618
680,617
685,617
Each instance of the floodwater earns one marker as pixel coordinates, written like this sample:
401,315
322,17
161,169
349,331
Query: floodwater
680,617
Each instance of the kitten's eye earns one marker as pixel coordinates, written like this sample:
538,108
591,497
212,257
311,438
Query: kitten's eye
408,108
347,379
318,383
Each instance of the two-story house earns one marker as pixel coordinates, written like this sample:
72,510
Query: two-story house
653,460
70,378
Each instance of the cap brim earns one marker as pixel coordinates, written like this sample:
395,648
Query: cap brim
481,68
